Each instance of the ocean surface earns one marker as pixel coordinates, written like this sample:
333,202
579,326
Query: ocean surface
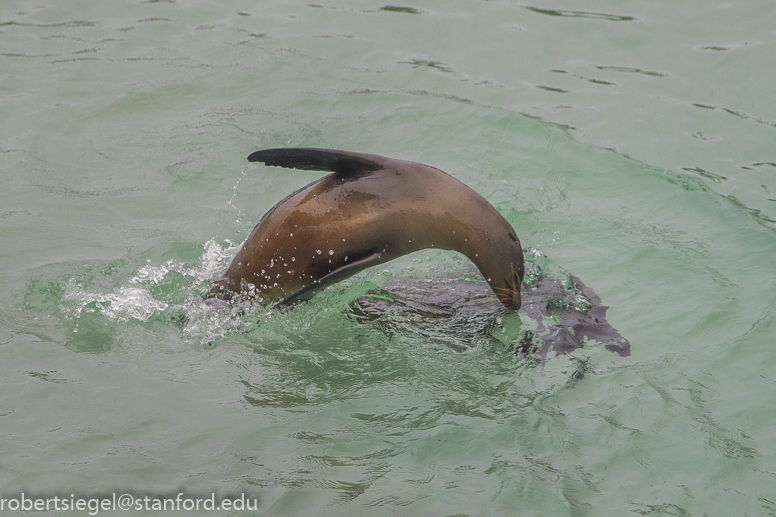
632,144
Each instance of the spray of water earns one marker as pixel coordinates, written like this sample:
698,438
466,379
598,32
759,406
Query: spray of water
142,299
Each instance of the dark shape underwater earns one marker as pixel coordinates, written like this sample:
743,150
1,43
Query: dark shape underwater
567,313
454,308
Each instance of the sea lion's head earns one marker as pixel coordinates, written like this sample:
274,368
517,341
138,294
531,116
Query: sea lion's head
504,269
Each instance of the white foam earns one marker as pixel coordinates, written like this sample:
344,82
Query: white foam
136,300
123,304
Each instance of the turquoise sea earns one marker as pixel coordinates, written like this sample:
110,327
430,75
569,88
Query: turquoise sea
630,143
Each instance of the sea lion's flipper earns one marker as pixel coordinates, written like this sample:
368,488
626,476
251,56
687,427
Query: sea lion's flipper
581,320
335,276
311,159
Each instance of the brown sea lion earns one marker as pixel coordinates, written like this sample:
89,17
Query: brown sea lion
371,210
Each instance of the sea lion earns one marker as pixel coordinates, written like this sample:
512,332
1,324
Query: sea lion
371,210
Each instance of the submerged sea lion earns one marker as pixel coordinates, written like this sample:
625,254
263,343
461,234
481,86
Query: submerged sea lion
371,210
560,314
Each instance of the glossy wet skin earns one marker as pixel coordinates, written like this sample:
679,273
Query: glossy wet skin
369,211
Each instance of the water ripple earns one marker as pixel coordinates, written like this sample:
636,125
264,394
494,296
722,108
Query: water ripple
581,14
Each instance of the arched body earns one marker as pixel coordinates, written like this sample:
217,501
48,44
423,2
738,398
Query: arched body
370,210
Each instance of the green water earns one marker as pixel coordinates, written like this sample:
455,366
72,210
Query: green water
632,143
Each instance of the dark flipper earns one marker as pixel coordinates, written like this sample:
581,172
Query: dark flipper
594,326
335,276
311,159
566,312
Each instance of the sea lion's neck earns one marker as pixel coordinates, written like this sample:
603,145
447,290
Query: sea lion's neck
498,257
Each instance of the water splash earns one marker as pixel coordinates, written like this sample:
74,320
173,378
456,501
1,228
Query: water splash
169,291
123,304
